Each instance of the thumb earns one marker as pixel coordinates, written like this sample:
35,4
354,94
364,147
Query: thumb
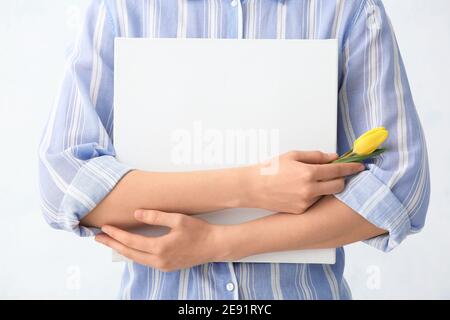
157,218
313,157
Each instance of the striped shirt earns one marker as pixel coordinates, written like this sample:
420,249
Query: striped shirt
77,158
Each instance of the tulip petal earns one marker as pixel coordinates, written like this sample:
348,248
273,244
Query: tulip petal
370,141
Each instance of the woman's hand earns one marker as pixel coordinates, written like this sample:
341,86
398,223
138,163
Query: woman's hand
190,242
297,179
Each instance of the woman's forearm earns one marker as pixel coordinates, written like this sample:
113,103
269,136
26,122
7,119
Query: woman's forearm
193,241
189,192
327,224
300,178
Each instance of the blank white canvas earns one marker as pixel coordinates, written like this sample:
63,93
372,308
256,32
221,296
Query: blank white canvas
206,87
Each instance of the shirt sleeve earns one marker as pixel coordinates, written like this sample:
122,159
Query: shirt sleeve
77,164
393,193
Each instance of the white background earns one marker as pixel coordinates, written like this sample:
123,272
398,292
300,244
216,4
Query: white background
38,262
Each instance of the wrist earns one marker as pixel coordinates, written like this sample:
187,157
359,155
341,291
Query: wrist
239,187
249,181
221,248
229,243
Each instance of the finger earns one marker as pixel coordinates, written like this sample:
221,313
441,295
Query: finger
329,187
130,253
129,239
159,218
337,170
313,157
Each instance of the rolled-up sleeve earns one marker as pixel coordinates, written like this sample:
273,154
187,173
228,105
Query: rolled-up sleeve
393,193
77,164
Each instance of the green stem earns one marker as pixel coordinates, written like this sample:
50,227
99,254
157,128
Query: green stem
359,158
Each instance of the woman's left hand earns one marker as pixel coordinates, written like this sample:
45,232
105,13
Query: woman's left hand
190,242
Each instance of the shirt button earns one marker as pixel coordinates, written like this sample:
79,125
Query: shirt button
234,3
230,286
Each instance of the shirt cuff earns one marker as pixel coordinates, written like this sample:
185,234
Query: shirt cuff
375,201
92,183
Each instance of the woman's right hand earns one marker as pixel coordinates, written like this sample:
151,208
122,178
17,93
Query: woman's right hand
297,180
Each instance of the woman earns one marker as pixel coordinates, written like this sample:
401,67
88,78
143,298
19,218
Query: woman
85,188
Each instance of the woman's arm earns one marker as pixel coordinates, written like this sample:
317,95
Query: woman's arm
300,179
327,224
189,192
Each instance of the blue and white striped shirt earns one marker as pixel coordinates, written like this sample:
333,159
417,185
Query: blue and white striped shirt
77,159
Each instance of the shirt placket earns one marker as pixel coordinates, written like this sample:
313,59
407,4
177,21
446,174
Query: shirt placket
236,23
235,30
232,285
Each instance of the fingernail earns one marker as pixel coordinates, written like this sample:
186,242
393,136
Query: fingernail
333,155
139,214
105,230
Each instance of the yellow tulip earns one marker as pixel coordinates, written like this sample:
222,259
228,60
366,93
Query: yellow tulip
370,141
